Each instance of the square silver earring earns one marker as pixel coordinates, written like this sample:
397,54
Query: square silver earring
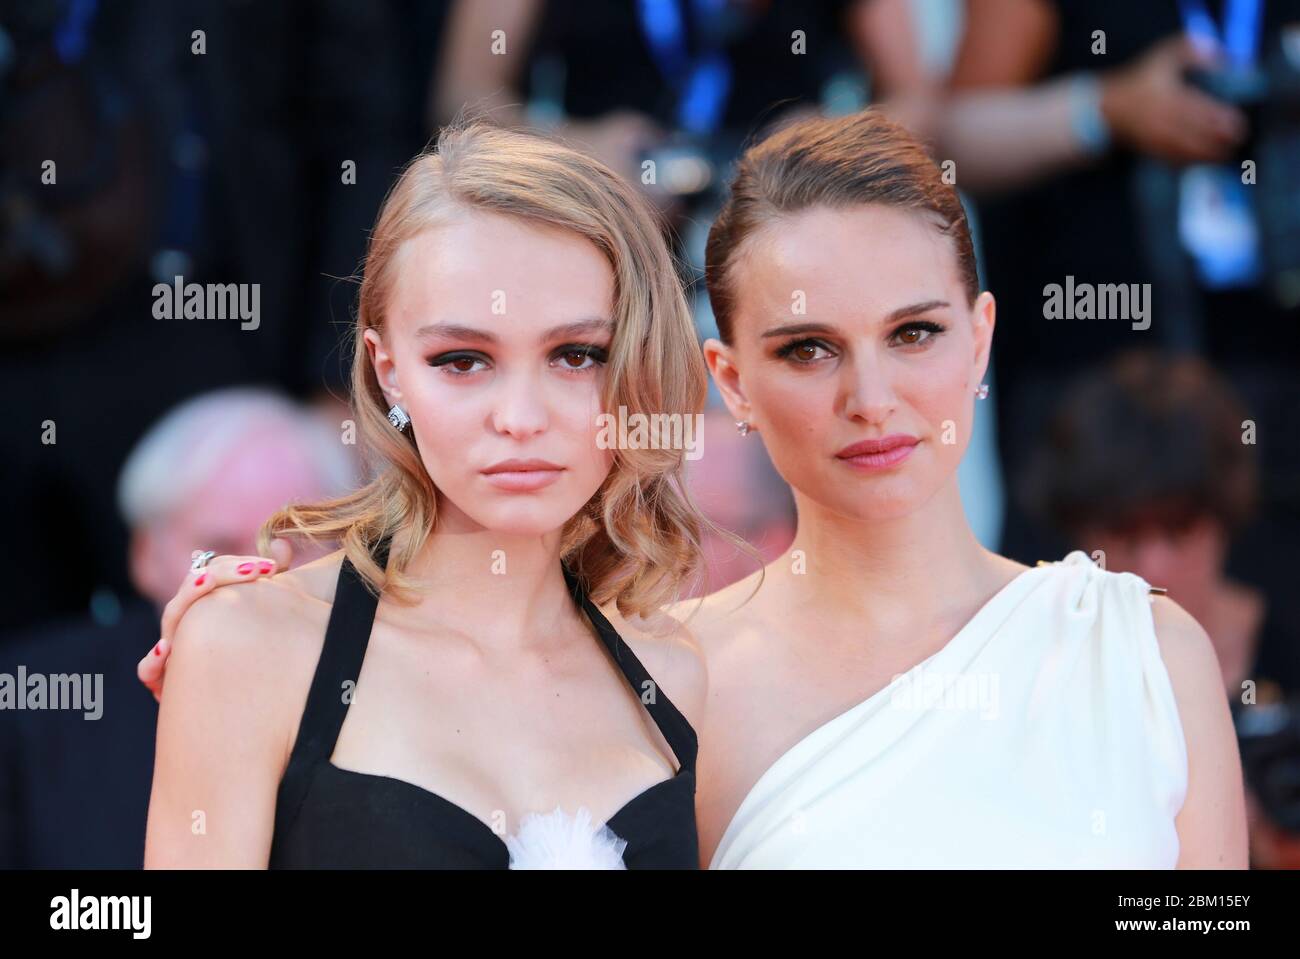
397,416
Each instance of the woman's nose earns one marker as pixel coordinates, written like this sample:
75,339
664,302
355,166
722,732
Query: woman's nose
869,389
519,408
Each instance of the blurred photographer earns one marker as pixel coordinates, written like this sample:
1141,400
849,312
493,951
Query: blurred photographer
1147,467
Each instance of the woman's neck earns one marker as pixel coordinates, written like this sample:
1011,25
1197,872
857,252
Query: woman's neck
919,567
505,591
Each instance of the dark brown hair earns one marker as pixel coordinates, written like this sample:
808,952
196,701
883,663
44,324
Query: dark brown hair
1148,440
837,162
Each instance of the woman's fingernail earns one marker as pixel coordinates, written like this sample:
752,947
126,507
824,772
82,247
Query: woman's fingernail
157,648
200,579
243,569
266,567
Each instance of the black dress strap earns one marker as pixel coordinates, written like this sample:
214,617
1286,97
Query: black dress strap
347,635
672,724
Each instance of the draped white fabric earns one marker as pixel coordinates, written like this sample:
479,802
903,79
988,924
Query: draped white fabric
1044,734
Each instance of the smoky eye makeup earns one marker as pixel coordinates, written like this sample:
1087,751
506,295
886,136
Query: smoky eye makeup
803,351
452,362
917,332
809,350
598,355
445,361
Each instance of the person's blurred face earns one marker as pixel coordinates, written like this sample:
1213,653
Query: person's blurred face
263,472
1187,561
497,335
852,325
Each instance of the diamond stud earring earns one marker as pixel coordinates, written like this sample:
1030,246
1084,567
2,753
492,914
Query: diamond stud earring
982,391
397,416
742,427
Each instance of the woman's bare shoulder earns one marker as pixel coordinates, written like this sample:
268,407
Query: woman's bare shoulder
268,630
255,648
312,581
257,612
735,609
1189,657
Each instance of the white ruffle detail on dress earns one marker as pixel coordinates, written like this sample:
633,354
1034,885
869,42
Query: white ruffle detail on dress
556,840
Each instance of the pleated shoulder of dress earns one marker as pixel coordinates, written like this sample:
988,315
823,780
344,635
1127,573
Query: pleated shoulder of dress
328,816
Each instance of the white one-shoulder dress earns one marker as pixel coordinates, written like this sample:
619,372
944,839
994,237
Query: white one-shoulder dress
1044,734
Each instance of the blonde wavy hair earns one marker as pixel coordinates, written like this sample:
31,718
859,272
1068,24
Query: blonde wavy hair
638,539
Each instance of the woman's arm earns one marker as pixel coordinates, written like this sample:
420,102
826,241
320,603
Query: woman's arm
1212,823
1005,128
221,742
484,51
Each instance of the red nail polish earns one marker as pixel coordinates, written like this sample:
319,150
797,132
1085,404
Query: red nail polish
156,650
201,578
243,569
265,568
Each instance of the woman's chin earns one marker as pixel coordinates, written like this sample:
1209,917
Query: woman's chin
524,520
877,503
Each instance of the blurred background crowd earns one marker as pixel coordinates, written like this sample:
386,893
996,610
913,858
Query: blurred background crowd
1106,141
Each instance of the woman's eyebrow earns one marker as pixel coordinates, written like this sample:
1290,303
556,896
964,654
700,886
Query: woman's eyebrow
924,307
792,328
580,328
458,331
902,313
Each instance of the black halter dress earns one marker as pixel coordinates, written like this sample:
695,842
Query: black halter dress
327,816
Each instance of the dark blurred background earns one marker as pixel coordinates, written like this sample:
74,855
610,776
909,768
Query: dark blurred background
233,142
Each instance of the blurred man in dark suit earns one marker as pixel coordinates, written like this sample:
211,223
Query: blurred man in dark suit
74,787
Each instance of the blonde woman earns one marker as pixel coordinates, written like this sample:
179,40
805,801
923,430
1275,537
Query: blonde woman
890,693
460,681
